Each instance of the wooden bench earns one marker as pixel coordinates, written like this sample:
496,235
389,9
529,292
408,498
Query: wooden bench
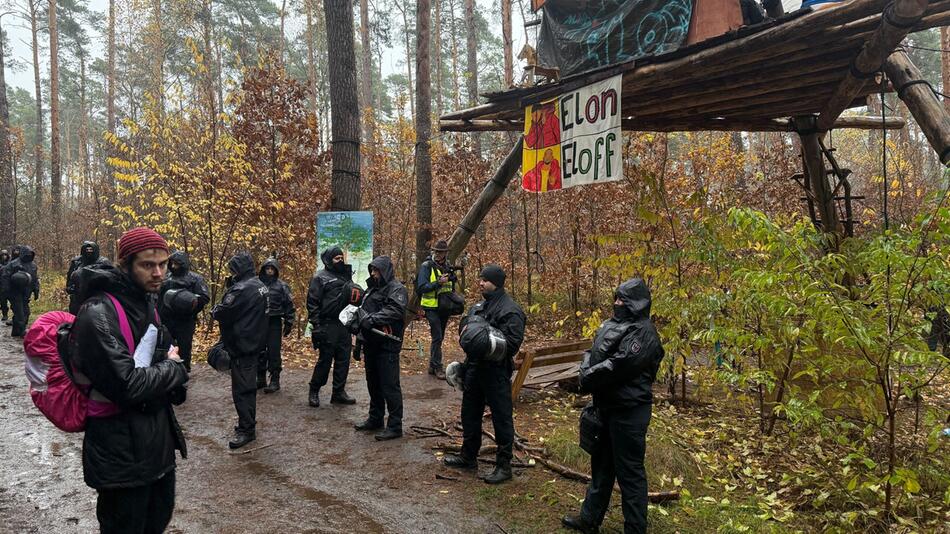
559,355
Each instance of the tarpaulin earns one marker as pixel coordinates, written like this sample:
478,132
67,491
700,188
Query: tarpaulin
580,35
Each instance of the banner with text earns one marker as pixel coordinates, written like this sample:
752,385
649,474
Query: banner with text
573,139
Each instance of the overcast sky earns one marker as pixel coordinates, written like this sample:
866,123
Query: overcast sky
19,36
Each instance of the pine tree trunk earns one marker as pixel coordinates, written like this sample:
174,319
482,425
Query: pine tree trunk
38,95
55,178
366,76
344,106
471,44
158,56
508,43
110,125
945,62
457,97
7,188
409,92
311,64
437,55
423,130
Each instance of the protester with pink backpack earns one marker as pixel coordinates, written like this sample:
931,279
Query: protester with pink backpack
131,433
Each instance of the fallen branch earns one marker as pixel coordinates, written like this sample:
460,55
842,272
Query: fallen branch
421,432
445,477
248,451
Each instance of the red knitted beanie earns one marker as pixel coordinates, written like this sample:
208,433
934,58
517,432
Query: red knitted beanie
139,239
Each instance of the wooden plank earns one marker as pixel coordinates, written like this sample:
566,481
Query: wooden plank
521,375
561,357
562,347
858,122
896,22
923,104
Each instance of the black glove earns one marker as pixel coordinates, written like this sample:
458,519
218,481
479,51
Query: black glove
366,323
356,353
178,395
36,296
288,327
317,336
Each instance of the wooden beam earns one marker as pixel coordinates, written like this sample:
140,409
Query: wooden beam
896,21
814,164
923,104
483,204
858,122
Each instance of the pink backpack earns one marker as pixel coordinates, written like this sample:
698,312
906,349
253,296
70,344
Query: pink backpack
65,396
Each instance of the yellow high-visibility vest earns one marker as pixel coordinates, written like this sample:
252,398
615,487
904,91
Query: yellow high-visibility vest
431,299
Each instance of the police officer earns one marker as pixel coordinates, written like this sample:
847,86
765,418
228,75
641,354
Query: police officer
489,382
280,321
14,254
88,255
242,317
18,280
435,277
327,295
180,313
381,327
4,260
619,371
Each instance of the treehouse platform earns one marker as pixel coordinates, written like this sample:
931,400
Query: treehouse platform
805,63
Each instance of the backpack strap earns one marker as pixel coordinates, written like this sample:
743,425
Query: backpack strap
124,326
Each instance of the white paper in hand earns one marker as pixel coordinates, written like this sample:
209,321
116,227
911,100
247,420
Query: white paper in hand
146,347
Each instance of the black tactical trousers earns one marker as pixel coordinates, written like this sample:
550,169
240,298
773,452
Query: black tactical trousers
21,312
620,458
140,510
183,333
269,359
3,305
385,393
244,391
491,385
437,322
334,349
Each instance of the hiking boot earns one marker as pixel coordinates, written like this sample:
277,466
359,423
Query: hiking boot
241,439
388,434
261,379
368,425
314,398
578,523
274,385
501,474
456,461
341,398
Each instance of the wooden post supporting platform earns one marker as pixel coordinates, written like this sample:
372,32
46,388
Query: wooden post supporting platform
898,19
493,190
818,185
922,102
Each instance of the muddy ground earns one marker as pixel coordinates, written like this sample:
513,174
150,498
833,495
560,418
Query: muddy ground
308,471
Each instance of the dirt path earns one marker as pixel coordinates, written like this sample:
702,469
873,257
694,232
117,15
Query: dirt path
314,475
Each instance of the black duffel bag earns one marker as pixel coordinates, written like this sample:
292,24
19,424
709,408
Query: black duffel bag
591,429
451,303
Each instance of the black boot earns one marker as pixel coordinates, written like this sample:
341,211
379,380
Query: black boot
261,379
314,398
456,461
502,473
368,425
388,434
340,397
241,439
274,385
578,523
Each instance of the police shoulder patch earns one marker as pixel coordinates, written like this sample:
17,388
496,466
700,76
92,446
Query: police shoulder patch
229,298
635,347
400,298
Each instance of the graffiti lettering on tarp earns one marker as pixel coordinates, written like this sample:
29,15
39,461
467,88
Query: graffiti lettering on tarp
573,139
583,35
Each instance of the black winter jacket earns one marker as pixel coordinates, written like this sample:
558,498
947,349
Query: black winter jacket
280,301
187,280
82,260
136,446
325,296
502,312
23,263
242,312
385,306
622,363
